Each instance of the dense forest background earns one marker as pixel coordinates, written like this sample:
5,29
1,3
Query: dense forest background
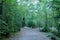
15,14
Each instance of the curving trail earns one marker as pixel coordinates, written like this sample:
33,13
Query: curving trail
29,34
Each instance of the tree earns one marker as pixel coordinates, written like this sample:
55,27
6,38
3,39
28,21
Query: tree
56,7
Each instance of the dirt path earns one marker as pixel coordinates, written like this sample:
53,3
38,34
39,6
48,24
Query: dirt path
29,34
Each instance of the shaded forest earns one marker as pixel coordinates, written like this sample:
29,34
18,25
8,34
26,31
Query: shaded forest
42,14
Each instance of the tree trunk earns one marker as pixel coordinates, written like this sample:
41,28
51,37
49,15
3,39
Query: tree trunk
3,9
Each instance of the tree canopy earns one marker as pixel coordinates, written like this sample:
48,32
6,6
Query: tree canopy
15,14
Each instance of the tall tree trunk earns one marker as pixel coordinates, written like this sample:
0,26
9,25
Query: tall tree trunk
3,9
0,7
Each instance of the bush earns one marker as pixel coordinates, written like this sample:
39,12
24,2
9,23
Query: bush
56,33
7,29
45,29
4,29
31,24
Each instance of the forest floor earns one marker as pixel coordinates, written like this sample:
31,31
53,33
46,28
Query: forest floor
29,34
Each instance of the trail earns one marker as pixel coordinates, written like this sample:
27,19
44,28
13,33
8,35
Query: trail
29,34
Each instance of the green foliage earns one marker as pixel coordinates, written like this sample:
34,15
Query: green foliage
56,7
39,13
10,20
31,24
